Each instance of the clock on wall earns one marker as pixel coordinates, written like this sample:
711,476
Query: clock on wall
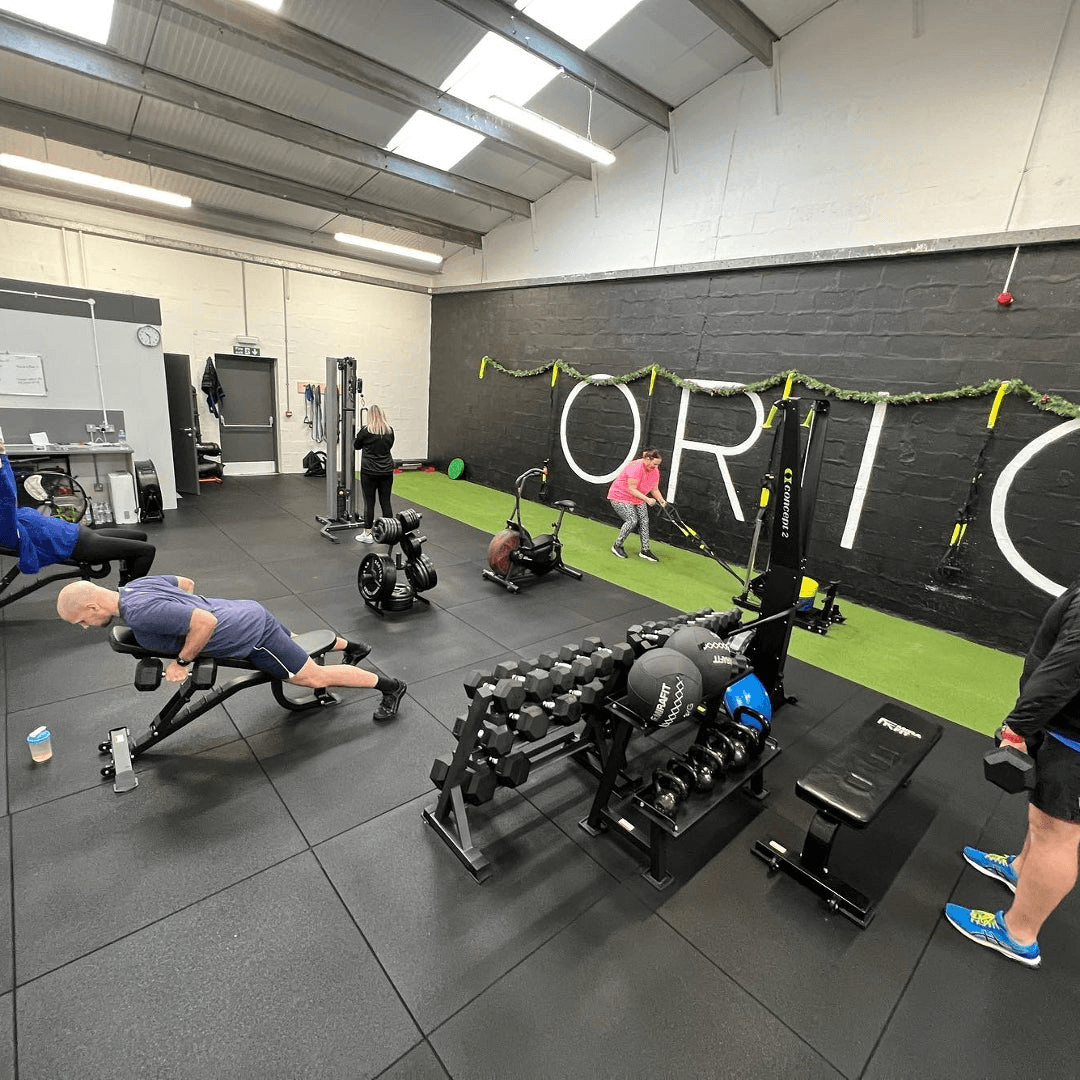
149,336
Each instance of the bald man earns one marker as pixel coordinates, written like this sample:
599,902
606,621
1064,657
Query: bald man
167,615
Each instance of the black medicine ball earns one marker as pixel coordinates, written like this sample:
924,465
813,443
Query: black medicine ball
663,686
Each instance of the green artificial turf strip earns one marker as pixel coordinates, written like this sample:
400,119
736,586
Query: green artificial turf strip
942,673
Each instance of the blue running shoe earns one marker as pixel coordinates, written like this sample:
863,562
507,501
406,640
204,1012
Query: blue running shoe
988,928
998,867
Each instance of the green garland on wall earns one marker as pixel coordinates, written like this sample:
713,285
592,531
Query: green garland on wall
1052,403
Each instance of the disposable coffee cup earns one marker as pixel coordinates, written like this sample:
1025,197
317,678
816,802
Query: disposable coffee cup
40,742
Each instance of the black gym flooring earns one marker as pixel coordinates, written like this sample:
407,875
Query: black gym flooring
269,902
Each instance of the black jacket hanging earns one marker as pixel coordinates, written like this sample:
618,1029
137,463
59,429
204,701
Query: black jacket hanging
212,388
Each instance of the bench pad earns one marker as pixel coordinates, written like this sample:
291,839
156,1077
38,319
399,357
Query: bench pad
856,780
314,643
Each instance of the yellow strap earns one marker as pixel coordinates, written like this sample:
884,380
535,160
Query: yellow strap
652,380
554,372
1003,389
483,364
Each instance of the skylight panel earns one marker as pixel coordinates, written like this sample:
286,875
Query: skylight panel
89,19
580,23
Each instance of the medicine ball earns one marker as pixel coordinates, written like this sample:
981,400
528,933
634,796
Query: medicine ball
714,659
663,686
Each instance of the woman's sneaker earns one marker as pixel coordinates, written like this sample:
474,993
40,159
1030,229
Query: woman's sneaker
988,928
365,538
617,549
996,866
648,556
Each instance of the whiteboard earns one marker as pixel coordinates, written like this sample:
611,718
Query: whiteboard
22,373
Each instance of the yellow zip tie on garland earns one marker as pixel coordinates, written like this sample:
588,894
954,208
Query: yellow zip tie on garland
554,372
1003,389
652,380
483,364
787,393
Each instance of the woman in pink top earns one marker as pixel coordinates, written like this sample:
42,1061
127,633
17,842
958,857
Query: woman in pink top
631,494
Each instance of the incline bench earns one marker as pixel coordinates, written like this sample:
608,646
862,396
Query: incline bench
180,710
87,571
850,787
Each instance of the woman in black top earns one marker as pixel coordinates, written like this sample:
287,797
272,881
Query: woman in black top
375,439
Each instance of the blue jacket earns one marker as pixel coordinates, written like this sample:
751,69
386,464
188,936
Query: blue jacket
39,540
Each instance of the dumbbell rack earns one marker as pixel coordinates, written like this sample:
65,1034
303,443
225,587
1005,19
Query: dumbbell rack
377,576
586,741
641,823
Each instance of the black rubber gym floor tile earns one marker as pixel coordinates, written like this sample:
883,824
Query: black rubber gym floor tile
961,1011
336,771
600,600
444,695
342,608
78,727
515,620
619,994
907,860
441,938
427,641
7,940
420,1063
249,581
459,583
7,1037
311,571
94,866
187,998
50,661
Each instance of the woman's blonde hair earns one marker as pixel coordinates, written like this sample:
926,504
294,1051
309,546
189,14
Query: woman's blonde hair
377,423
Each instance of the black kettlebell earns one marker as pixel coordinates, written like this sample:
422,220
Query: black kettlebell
739,741
752,718
732,750
670,791
707,764
686,770
754,738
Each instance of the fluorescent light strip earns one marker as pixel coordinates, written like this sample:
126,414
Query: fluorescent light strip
547,129
268,5
390,249
104,183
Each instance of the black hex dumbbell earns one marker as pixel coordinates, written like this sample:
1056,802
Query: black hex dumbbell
1010,769
513,770
478,782
507,694
496,739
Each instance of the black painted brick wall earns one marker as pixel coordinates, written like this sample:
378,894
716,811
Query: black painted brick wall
910,324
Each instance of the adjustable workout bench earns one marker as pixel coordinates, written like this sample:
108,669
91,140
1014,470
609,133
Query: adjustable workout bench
87,571
850,787
180,710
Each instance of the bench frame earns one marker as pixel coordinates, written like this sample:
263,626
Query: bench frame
181,709
85,570
810,867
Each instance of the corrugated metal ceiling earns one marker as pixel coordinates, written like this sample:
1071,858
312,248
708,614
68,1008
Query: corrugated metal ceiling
670,48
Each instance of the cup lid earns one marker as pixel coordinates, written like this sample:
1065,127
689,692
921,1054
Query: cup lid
38,735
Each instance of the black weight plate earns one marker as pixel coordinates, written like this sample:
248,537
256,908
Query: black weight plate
386,530
421,574
409,519
412,545
376,577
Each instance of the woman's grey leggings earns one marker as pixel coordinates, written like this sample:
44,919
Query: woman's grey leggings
635,516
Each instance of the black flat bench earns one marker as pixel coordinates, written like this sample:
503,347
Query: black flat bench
850,787
181,709
85,570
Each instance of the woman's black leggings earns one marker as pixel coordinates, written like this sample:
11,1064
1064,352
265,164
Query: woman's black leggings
129,546
370,485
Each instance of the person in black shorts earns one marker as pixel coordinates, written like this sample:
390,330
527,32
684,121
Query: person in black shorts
167,615
1045,722
41,541
375,439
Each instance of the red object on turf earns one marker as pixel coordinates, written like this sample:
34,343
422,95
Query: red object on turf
1005,299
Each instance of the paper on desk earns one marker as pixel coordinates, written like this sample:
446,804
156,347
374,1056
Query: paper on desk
40,438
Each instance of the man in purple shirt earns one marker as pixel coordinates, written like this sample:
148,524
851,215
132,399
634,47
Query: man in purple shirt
167,616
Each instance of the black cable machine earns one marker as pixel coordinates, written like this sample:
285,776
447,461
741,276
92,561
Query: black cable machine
342,494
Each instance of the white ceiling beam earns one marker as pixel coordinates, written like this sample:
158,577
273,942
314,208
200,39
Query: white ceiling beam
743,25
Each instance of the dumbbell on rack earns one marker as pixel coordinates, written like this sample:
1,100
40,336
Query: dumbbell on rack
478,784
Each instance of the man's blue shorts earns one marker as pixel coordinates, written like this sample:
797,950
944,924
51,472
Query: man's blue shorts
277,653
